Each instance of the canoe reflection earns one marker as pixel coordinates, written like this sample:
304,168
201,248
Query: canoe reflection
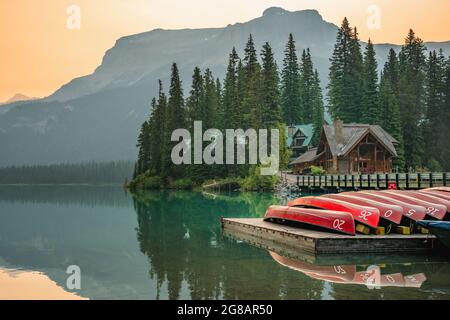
372,277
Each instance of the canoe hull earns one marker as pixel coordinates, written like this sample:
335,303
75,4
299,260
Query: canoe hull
389,212
368,216
340,222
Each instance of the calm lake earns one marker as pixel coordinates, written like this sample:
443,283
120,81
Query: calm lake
169,245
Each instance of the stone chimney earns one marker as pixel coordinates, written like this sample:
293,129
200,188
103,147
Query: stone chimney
291,129
339,131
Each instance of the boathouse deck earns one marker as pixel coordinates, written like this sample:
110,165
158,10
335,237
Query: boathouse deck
317,242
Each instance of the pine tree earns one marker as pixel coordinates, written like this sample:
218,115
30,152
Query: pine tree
435,125
290,88
345,85
175,119
157,131
271,109
411,99
307,86
389,111
250,78
210,104
371,114
317,109
195,100
446,117
230,97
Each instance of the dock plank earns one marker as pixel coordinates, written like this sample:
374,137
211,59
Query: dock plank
317,242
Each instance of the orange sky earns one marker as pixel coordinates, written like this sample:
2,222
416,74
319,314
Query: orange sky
39,53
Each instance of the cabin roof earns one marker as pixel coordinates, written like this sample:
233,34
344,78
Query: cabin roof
352,135
306,129
308,156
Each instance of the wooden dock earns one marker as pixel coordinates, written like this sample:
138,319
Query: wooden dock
405,181
273,236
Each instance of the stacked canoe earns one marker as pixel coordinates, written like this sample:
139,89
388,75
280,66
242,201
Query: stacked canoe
368,212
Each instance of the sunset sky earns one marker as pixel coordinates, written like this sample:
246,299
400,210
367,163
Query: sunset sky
39,53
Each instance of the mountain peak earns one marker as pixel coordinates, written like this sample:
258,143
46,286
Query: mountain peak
18,97
274,11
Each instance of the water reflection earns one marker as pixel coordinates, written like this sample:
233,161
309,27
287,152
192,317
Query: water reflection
169,245
372,276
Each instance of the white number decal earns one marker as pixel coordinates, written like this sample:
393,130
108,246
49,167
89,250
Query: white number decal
390,279
339,270
432,210
338,223
388,213
411,212
364,214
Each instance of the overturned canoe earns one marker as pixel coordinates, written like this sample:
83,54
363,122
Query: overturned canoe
413,212
390,212
366,215
337,221
433,209
429,196
444,189
439,194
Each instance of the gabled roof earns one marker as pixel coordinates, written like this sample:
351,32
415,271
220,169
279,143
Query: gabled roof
306,129
308,156
352,134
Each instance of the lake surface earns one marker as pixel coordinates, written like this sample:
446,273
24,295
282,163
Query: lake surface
169,245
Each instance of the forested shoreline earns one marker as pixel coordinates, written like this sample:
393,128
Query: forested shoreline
409,99
95,173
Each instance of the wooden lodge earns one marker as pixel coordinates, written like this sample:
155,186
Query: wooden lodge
350,148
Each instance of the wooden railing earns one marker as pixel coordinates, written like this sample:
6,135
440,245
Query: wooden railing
376,181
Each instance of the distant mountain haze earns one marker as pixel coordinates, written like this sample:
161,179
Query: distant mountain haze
97,117
18,97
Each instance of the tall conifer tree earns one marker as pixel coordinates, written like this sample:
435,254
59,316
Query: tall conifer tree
290,85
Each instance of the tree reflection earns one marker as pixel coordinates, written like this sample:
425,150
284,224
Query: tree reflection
180,234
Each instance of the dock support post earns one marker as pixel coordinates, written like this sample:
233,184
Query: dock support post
345,181
353,181
407,181
339,181
444,179
326,178
303,181
431,179
298,181
314,181
419,181
332,181
378,181
368,181
360,181
397,180
386,180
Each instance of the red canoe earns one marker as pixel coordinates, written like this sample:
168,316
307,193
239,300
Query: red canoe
366,215
439,194
433,209
413,212
429,196
332,220
443,189
390,212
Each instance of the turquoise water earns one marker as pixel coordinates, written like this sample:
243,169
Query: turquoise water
169,245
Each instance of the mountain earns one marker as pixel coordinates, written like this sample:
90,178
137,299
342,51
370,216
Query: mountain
18,97
97,117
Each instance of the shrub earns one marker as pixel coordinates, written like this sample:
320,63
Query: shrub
317,171
185,184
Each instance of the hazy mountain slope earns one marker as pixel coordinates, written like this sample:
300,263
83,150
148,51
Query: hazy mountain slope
97,117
